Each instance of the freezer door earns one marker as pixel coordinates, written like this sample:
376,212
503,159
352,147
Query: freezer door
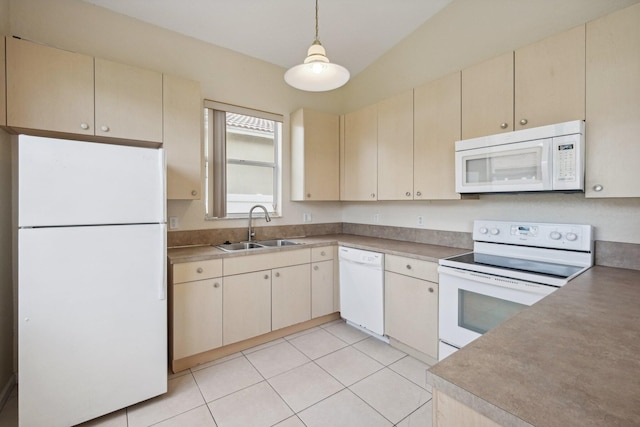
64,182
92,328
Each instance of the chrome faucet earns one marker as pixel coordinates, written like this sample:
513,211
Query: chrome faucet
266,217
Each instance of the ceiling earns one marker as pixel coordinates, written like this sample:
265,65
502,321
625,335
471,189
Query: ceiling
354,32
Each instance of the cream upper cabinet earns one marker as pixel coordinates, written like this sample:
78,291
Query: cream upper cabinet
128,102
315,155
360,155
182,129
550,80
246,306
613,107
290,296
487,97
49,89
3,87
395,147
437,126
540,84
411,303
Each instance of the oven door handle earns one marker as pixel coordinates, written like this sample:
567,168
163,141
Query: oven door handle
505,282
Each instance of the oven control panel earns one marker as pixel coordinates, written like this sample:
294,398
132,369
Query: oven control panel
545,235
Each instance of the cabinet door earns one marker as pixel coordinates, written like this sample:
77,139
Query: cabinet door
395,147
48,89
550,80
182,129
291,296
361,155
315,155
197,317
613,110
321,288
411,312
437,127
128,102
246,306
487,97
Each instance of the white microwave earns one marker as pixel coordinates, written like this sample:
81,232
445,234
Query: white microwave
546,158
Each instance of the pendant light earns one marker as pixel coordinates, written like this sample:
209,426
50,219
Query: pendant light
316,74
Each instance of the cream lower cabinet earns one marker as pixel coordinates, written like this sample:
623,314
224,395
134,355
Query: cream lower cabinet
3,86
246,306
323,281
290,296
411,303
613,107
196,308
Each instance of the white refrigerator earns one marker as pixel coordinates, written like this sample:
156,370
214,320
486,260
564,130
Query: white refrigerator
92,309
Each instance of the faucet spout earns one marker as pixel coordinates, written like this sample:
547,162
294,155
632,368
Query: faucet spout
266,217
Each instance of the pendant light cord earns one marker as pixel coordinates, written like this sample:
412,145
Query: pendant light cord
318,41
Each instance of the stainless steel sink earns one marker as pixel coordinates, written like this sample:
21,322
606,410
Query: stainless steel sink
278,242
243,246
240,246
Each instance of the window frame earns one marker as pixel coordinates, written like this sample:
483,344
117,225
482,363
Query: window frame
210,148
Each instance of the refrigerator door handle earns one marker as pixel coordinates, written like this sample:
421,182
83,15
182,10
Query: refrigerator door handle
162,294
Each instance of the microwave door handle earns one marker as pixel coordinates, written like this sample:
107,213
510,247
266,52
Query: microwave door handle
546,164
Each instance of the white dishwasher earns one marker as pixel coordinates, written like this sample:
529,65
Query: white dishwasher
362,289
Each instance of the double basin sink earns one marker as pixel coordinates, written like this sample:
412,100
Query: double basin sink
242,246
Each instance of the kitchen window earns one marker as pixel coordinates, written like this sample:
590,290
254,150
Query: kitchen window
242,160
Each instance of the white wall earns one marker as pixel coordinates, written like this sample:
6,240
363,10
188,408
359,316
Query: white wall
464,33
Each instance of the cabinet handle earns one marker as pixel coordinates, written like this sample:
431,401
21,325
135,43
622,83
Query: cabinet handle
598,187
418,193
431,290
199,270
194,193
373,195
104,128
323,253
524,122
315,267
408,266
407,194
216,285
84,126
277,274
504,125
266,276
308,195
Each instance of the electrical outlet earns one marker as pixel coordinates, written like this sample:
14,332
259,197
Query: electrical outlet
306,217
173,222
376,218
420,220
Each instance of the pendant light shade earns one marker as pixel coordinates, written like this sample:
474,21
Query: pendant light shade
316,73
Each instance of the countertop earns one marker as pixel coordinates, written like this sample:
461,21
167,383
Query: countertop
387,246
572,359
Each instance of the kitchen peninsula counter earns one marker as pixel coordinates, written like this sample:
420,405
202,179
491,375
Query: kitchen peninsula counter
421,251
572,359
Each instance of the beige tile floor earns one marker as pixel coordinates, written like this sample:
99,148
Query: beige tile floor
332,375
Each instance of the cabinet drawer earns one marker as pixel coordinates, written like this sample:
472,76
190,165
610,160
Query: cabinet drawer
198,270
419,269
268,261
324,253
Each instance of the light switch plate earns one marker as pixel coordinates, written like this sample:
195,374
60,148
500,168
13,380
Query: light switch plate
306,217
173,222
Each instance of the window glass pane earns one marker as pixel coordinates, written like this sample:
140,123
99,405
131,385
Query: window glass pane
250,138
249,185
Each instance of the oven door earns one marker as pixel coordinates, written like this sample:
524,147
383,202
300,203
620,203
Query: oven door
473,303
521,166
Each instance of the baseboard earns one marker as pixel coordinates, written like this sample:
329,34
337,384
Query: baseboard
6,390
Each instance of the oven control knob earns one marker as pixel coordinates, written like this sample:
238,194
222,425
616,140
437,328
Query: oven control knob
555,235
572,237
495,231
483,230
